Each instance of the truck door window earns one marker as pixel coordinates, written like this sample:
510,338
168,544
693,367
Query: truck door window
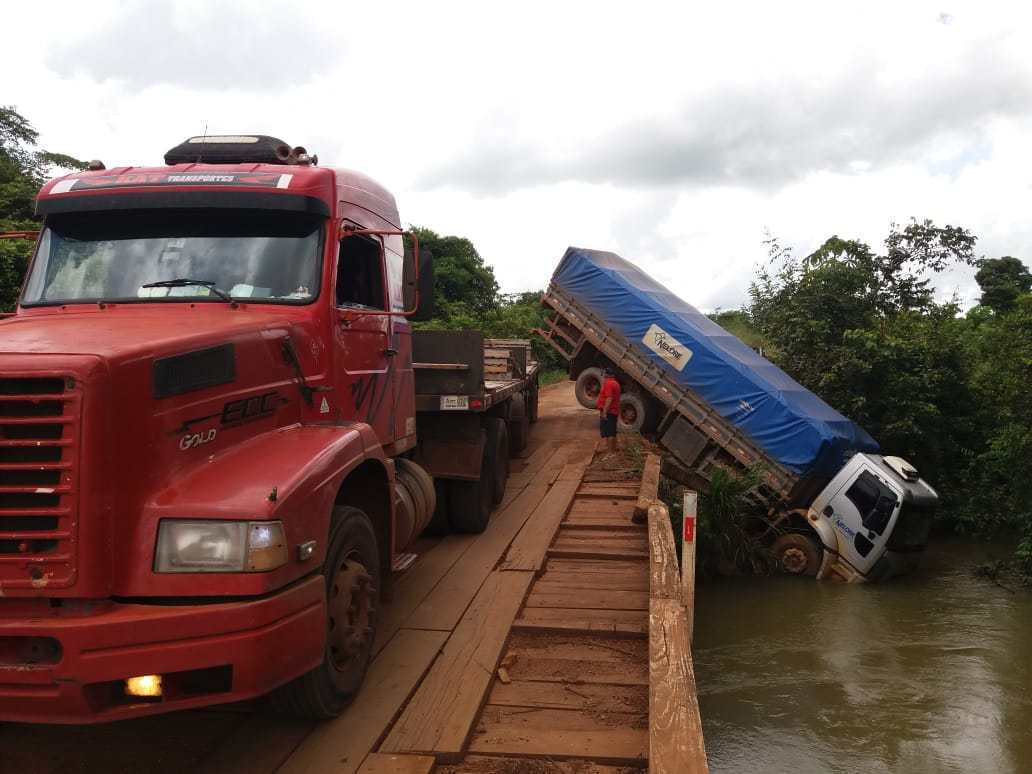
873,500
360,274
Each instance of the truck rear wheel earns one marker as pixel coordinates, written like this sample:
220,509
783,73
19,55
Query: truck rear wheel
351,571
632,413
470,501
532,405
440,522
796,554
589,385
519,424
498,439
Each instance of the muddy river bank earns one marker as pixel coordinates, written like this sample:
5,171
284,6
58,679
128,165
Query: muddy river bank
930,673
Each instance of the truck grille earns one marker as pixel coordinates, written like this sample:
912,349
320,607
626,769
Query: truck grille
39,432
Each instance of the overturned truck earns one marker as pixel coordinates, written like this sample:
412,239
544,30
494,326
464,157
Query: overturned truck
834,506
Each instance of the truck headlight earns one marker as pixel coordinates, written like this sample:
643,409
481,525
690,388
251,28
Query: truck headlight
219,546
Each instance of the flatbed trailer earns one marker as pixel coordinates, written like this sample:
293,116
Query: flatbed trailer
475,401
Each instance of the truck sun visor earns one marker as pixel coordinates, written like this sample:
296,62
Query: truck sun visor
230,149
794,426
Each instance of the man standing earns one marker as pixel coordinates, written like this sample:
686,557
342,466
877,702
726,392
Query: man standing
608,406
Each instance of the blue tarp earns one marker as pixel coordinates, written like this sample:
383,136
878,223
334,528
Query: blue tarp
790,423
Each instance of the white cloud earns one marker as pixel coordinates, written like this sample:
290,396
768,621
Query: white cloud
673,134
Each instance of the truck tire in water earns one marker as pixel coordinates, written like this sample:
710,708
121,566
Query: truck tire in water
633,413
498,439
519,425
796,554
589,385
469,506
352,573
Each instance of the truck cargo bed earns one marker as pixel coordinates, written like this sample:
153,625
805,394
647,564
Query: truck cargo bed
463,371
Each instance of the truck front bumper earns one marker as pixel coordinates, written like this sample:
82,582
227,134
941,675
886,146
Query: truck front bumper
78,659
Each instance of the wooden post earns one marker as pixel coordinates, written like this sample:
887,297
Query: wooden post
691,504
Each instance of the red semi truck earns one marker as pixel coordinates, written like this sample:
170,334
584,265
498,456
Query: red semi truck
211,453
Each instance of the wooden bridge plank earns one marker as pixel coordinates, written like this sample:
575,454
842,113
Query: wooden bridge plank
340,745
596,698
419,581
596,565
527,551
664,575
553,581
443,608
596,553
478,764
676,743
606,599
585,626
383,763
649,490
442,712
586,614
617,737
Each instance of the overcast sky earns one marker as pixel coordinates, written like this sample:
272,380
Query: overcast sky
675,134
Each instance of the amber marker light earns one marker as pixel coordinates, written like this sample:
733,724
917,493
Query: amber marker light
144,686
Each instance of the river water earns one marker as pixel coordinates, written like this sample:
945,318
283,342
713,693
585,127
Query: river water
929,673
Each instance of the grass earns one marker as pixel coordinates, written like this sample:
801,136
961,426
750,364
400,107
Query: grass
551,376
635,454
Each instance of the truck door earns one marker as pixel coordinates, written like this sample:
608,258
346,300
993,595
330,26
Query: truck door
865,512
363,354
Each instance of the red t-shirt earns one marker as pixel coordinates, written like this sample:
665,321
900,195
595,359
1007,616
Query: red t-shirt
610,389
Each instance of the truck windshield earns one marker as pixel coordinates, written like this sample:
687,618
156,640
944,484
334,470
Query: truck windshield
269,257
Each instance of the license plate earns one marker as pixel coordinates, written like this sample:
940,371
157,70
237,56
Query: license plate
454,402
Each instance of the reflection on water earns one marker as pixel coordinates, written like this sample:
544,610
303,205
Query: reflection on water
930,673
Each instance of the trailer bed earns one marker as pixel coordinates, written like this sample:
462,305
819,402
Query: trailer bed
462,371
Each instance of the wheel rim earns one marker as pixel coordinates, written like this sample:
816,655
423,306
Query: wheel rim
628,414
350,609
794,560
592,387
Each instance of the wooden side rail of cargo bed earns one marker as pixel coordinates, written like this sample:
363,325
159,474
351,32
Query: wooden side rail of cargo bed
676,397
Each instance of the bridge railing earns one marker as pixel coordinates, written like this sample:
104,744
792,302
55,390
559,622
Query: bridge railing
676,741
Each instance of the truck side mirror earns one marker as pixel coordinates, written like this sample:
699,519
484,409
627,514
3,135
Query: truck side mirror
419,282
412,291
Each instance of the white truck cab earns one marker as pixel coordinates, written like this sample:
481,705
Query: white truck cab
873,518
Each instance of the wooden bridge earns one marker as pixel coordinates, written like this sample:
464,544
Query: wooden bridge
556,641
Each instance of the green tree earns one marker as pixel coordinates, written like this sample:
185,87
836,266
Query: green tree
1001,353
24,169
1002,280
465,287
863,331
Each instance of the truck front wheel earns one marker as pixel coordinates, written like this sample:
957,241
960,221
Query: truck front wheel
796,554
351,571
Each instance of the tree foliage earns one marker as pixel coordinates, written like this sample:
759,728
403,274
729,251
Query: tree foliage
863,330
24,169
466,297
1003,281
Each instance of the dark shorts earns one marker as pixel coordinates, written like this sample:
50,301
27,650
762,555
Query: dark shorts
607,426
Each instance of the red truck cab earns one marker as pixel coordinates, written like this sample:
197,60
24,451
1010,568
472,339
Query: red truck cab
202,396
